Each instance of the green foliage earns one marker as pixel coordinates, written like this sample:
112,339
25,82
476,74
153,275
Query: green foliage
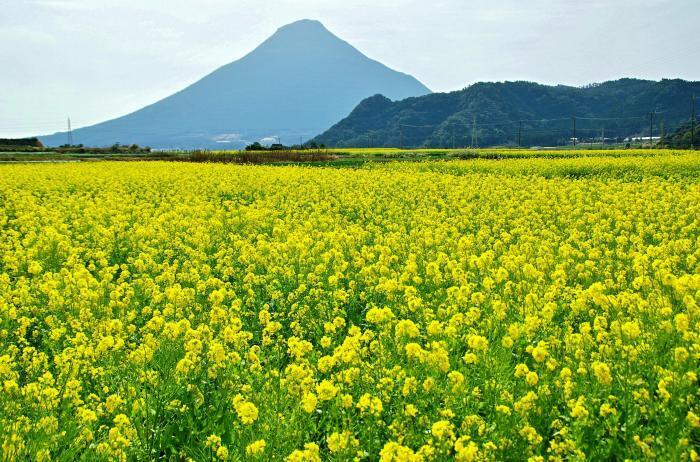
491,114
681,137
19,143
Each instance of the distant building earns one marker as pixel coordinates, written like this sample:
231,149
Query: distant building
641,138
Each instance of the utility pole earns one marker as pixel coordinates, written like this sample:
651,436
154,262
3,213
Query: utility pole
574,138
651,127
602,138
400,137
70,134
453,137
520,132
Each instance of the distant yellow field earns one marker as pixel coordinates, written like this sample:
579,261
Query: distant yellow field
517,309
486,152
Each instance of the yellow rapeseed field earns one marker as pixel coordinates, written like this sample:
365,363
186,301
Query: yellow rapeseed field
522,309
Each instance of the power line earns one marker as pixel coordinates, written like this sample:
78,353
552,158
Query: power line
453,132
520,122
610,118
58,126
418,126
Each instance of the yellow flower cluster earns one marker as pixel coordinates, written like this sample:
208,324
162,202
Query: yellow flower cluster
541,309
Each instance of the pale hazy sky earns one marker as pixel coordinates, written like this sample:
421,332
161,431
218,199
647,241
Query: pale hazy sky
97,59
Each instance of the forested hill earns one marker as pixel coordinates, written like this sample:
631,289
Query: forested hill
490,114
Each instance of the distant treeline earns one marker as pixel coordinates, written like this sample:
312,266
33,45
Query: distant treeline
34,145
7,143
260,156
280,147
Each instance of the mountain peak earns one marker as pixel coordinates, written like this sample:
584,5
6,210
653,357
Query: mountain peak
301,36
303,24
304,28
296,83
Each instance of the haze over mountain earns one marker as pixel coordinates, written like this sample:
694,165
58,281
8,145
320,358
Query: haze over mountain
495,112
296,84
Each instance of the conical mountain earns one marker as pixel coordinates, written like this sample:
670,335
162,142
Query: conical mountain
297,83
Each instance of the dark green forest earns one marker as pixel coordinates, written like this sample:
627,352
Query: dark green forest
681,138
519,113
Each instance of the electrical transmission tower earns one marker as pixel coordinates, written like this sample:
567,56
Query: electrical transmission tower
475,139
70,134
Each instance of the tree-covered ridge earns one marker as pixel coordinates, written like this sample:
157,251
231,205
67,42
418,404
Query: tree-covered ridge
498,113
681,137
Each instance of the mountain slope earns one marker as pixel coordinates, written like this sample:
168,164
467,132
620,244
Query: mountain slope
296,83
682,136
494,113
